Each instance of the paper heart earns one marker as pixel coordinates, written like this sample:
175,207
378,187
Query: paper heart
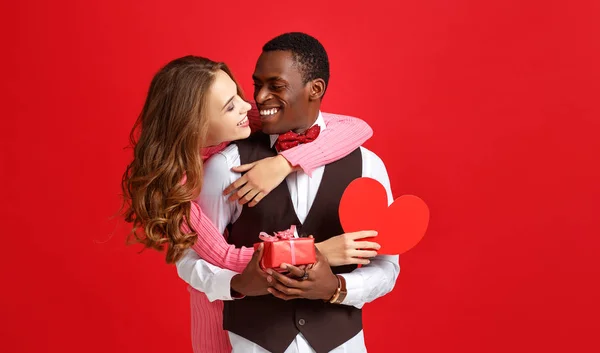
400,226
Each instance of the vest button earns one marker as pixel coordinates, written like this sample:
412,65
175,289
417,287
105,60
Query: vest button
301,322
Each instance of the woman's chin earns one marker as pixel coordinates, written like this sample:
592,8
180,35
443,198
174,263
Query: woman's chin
244,133
240,133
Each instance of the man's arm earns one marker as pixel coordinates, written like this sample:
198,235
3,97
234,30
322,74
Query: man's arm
378,278
201,275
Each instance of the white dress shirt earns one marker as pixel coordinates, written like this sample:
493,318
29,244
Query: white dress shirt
364,284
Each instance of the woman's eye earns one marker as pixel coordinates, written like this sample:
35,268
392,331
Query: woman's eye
230,107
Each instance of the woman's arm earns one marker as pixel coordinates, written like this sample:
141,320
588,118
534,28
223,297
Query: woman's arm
340,250
212,246
343,135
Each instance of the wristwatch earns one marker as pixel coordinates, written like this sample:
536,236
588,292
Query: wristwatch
341,291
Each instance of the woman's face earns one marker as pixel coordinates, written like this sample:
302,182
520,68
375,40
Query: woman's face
227,112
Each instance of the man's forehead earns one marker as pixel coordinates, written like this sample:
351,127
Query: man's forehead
277,63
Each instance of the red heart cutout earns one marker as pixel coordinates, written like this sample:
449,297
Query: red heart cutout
400,226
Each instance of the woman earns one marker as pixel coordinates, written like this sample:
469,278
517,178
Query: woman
193,109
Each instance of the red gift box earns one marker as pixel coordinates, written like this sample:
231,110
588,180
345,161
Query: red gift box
284,247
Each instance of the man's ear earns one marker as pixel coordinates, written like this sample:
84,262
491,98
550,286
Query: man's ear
317,89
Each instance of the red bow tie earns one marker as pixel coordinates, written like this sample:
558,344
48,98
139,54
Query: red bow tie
291,139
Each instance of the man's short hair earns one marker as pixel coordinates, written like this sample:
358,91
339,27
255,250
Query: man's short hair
308,53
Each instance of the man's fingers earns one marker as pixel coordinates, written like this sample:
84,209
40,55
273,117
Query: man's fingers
284,289
244,167
257,255
366,245
236,184
295,271
281,295
285,280
362,234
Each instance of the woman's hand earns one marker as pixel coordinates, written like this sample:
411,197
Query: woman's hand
345,249
261,178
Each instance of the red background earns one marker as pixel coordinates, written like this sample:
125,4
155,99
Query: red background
486,110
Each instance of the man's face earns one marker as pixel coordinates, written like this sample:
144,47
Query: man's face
281,97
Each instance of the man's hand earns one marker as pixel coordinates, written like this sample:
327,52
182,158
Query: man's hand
320,284
253,280
344,249
261,178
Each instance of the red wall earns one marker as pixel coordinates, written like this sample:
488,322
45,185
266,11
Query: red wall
486,110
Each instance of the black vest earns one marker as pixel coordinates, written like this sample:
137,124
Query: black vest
271,322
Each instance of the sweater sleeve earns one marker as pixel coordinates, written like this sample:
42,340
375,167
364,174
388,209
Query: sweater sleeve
211,244
343,135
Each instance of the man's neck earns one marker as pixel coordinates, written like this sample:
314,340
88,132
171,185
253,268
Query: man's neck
311,122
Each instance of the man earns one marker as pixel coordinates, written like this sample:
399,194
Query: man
290,80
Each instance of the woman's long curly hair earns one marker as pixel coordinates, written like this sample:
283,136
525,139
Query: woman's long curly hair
167,139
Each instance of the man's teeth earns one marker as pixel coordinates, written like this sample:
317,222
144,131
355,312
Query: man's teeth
242,122
269,111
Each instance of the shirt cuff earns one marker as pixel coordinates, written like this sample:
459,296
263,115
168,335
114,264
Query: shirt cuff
222,286
354,287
